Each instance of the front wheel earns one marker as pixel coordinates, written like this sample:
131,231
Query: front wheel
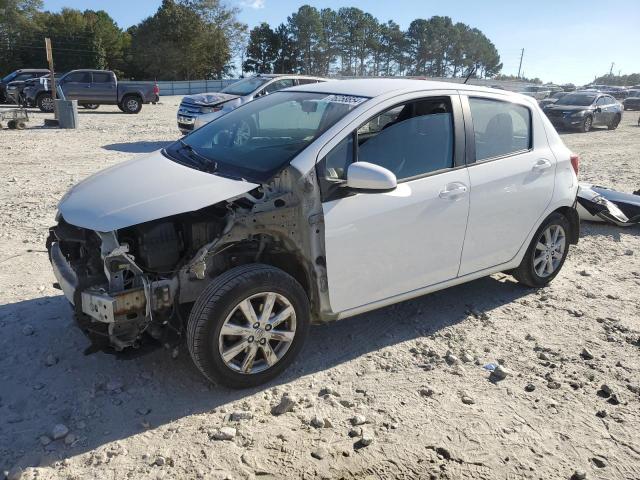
248,325
614,123
546,253
91,106
587,123
45,103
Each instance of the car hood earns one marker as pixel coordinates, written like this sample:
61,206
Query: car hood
210,98
144,189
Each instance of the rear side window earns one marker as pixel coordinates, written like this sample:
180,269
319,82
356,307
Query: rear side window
306,81
500,128
101,78
279,85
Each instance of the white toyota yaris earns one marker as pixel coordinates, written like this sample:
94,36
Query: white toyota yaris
343,197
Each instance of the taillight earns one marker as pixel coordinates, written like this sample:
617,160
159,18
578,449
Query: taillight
575,162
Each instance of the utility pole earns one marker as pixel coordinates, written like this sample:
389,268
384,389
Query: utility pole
47,46
520,67
611,69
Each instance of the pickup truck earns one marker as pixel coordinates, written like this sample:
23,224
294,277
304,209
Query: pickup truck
92,88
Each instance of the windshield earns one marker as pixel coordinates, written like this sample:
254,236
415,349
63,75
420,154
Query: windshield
9,77
634,93
258,139
245,87
578,99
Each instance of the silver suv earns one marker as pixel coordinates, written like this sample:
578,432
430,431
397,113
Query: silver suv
197,110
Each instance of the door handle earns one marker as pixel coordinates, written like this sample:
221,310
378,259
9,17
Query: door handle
541,165
453,191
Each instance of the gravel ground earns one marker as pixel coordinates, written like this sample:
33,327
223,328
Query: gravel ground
400,392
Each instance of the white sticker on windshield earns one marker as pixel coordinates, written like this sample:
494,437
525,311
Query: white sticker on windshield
345,99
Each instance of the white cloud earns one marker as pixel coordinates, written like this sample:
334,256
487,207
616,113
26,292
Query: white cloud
257,4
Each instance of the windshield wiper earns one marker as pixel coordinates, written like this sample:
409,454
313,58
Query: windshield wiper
205,163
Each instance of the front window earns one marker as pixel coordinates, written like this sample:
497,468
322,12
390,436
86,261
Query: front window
578,99
258,139
9,77
245,87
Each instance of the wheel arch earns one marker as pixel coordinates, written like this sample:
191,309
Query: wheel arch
571,214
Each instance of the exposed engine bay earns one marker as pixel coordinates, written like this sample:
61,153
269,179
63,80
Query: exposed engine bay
144,278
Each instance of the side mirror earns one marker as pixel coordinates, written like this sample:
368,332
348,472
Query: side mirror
366,176
598,109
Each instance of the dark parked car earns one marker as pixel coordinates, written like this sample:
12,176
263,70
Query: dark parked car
15,89
551,99
92,88
583,110
19,76
632,102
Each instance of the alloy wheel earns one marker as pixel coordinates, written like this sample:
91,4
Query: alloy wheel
257,333
549,250
132,105
47,104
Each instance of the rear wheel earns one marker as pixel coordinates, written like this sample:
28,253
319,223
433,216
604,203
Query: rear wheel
248,325
45,102
131,104
91,106
20,125
11,124
546,253
615,122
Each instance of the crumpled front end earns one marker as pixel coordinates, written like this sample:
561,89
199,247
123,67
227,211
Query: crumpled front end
114,301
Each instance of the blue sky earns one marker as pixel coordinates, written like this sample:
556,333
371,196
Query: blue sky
564,40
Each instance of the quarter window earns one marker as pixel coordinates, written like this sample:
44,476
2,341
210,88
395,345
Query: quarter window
500,128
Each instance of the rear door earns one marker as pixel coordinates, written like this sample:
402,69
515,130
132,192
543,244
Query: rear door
103,88
380,245
512,176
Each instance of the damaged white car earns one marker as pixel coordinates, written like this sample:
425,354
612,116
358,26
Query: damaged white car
344,197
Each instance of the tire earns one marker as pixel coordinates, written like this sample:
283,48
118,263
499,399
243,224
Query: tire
615,122
131,104
90,106
587,124
527,273
11,124
218,306
20,125
45,102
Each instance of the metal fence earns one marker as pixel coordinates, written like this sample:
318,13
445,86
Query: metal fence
190,87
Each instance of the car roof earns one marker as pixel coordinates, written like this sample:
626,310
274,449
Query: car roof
29,70
374,87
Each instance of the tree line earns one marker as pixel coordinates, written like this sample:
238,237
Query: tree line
352,42
184,39
196,39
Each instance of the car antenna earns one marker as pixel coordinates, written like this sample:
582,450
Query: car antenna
471,72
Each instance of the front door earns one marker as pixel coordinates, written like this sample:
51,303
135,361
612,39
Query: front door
512,180
380,245
76,86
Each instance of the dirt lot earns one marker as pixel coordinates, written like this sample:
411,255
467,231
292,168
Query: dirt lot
150,415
